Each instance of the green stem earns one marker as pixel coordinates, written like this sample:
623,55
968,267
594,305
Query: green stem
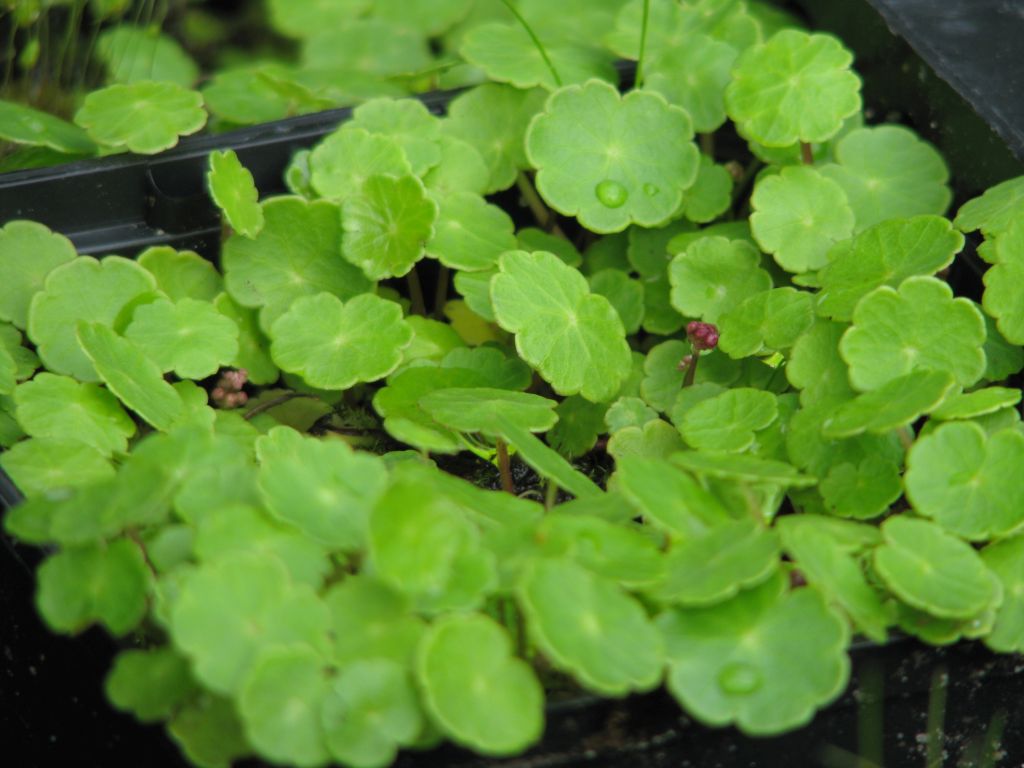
505,467
707,145
691,370
906,437
936,718
870,712
639,80
550,494
419,307
441,291
536,41
806,153
537,208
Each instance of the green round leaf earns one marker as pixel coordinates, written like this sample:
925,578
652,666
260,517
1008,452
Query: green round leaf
475,409
1005,559
144,117
370,620
694,76
325,489
189,337
28,253
181,274
227,611
280,702
729,421
387,226
493,118
917,326
294,255
470,233
897,403
137,381
588,626
461,169
967,481
42,465
603,176
58,406
150,684
885,254
793,87
84,289
507,53
580,423
933,571
574,338
370,709
623,292
772,320
133,53
107,584
409,123
334,344
474,688
887,172
994,211
765,660
798,215
24,125
862,489
343,161
235,193
713,275
304,18
1002,301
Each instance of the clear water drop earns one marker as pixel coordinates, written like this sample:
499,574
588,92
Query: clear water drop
738,678
611,193
650,190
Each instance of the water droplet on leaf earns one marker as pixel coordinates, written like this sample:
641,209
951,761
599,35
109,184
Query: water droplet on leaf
611,193
650,190
739,678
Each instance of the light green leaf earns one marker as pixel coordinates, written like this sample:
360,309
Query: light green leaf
58,406
885,254
136,380
967,481
862,489
829,564
664,379
714,275
587,626
650,249
181,274
253,347
729,421
933,571
150,684
475,689
887,172
969,405
279,704
461,169
370,709
815,366
43,465
574,338
406,121
741,467
294,255
28,253
1002,299
994,211
470,233
303,18
798,215
765,660
493,118
793,87
694,76
101,583
133,53
24,125
771,320
386,225
620,552
711,194
334,344
324,489
897,403
545,461
655,439
82,290
367,47
507,53
145,117
580,423
344,160
476,409
234,192
917,326
189,337
370,620
1005,559
624,293
208,732
602,176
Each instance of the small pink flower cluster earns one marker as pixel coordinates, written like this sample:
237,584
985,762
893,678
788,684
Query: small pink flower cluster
701,335
228,392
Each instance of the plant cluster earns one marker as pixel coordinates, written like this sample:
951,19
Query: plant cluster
795,431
